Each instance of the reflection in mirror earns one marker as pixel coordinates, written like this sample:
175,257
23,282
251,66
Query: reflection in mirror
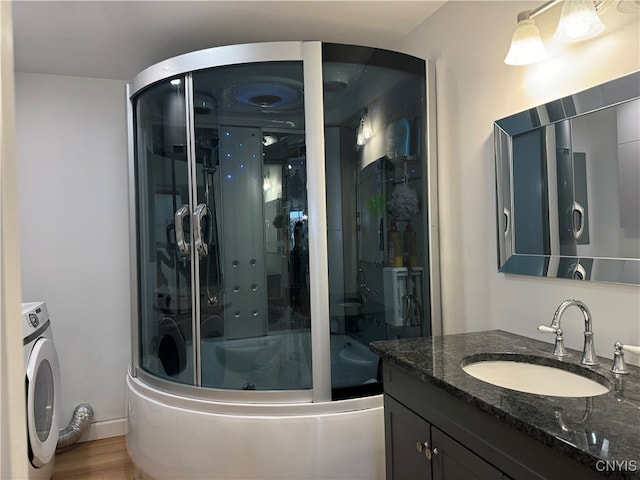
568,186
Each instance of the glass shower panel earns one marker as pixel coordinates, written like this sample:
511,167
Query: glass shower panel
162,208
374,106
251,214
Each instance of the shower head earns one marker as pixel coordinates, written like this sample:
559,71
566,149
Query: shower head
270,94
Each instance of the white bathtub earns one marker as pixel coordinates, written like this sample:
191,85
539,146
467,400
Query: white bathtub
178,437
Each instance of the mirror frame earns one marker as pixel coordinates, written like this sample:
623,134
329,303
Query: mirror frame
606,95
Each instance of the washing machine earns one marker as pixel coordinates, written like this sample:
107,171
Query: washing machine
42,382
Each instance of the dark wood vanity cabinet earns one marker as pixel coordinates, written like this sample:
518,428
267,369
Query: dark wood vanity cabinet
455,462
463,442
417,450
404,433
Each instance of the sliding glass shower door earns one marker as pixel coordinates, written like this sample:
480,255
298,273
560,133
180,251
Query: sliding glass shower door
164,239
221,165
250,174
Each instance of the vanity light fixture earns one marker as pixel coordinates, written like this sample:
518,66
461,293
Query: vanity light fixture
365,131
526,44
579,21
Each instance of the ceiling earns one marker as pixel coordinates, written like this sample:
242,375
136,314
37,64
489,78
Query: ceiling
118,39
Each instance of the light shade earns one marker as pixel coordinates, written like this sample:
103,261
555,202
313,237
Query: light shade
578,21
526,45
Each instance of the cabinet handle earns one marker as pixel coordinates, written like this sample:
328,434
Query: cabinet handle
424,448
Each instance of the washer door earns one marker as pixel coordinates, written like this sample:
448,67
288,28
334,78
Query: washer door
43,381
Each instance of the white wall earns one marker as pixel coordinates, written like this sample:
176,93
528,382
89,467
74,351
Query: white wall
73,208
468,42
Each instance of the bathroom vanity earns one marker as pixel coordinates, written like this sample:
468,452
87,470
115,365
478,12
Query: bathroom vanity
441,423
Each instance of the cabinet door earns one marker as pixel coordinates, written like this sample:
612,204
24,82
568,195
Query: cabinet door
163,237
453,461
406,435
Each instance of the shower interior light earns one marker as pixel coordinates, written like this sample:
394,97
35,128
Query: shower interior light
365,132
578,21
360,141
269,140
176,81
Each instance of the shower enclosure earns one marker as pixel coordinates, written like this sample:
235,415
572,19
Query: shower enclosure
283,217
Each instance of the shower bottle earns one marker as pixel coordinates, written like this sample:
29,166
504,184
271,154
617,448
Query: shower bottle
394,244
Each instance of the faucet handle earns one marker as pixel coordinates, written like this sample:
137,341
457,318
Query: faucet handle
545,329
619,365
559,349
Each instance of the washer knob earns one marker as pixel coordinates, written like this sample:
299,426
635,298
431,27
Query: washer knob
34,321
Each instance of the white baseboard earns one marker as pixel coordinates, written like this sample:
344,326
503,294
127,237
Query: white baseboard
105,429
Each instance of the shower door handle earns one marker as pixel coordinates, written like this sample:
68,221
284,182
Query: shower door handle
183,245
200,212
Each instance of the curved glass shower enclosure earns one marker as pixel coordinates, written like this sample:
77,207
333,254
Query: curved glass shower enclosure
281,217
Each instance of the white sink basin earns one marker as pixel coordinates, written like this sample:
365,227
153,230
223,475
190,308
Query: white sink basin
528,377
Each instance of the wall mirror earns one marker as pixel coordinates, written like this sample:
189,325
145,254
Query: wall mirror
568,186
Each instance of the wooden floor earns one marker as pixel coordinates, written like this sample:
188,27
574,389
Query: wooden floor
104,459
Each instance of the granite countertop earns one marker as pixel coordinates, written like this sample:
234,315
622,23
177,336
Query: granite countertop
592,430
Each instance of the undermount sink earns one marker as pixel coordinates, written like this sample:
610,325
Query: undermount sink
537,375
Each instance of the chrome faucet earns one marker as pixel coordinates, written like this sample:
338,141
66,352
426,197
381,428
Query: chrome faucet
589,356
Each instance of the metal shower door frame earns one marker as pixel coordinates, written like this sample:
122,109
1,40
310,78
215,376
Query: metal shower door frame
310,54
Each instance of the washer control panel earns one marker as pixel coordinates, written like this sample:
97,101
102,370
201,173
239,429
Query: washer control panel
34,317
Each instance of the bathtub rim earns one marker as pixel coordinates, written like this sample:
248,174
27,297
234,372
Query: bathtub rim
249,403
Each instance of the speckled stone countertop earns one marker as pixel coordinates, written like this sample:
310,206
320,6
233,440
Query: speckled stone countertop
593,430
